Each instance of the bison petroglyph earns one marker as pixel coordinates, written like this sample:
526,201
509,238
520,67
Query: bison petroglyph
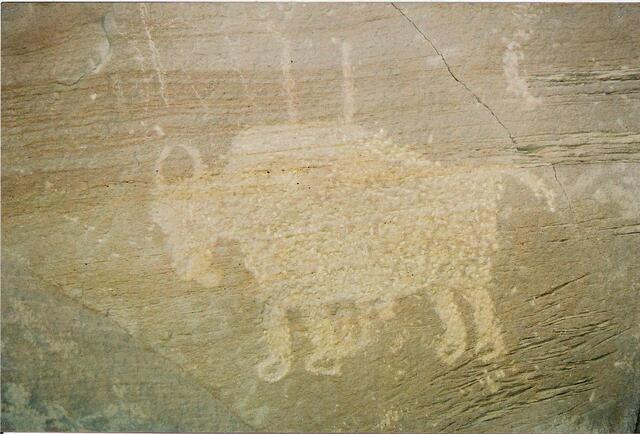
338,224
328,217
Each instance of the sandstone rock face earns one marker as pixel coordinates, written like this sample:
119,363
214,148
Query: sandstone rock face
336,217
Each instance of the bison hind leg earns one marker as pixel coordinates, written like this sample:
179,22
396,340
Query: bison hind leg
277,337
454,338
490,342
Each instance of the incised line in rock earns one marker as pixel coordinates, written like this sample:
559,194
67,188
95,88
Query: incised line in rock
155,56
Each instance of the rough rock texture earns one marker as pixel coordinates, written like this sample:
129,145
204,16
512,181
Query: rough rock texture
330,217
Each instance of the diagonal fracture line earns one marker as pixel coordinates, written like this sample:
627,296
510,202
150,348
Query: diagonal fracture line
446,64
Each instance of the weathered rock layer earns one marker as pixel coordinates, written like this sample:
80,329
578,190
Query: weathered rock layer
380,217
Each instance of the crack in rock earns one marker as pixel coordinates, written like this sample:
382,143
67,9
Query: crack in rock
446,64
98,57
564,192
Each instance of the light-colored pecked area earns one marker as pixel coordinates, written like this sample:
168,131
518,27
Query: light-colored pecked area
320,217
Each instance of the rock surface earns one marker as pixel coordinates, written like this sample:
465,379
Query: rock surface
374,217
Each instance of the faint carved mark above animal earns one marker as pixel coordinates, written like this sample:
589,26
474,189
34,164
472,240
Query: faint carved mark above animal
516,84
153,49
